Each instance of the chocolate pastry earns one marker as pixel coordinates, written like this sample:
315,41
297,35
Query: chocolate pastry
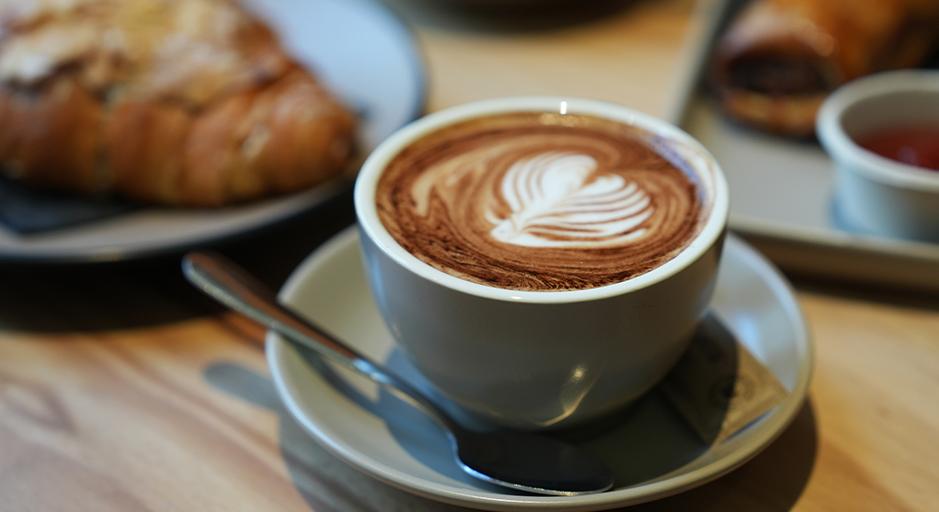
779,59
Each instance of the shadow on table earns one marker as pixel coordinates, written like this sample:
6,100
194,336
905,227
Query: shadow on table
508,17
872,293
774,480
324,481
102,296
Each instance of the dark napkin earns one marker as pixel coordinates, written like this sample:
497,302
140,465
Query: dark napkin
933,61
25,211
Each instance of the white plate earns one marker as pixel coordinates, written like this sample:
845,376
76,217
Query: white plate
651,451
358,47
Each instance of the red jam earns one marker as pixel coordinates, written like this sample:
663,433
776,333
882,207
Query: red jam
912,145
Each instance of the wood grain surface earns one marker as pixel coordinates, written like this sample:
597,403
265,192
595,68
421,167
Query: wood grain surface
121,389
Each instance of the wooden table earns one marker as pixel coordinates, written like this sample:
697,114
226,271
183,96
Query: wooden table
121,389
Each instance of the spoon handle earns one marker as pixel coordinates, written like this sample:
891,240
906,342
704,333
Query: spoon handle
231,285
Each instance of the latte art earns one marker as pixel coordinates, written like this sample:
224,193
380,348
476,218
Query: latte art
534,201
555,203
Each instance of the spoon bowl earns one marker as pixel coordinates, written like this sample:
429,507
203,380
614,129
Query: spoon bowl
530,463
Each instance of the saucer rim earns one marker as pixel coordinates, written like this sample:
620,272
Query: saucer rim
772,426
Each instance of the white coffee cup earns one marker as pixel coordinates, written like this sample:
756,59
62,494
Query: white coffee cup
539,359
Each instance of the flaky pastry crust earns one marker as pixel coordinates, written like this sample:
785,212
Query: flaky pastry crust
190,103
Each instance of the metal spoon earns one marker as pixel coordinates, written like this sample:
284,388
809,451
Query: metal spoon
517,460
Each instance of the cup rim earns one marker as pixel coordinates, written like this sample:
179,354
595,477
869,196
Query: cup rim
843,148
367,181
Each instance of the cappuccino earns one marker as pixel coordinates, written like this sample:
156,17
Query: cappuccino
541,201
555,235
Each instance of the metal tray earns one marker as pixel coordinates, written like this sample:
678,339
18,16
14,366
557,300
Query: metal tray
781,189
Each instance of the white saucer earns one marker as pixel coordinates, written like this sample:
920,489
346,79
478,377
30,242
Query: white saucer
652,451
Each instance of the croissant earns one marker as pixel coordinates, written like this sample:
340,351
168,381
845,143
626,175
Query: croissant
190,103
779,59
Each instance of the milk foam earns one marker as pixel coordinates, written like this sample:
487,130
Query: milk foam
557,201
536,201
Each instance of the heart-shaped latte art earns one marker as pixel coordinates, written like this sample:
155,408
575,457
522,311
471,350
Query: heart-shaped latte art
557,201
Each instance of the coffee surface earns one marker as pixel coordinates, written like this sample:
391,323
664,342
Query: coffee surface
539,201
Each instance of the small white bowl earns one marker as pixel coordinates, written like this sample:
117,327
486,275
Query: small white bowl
875,194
